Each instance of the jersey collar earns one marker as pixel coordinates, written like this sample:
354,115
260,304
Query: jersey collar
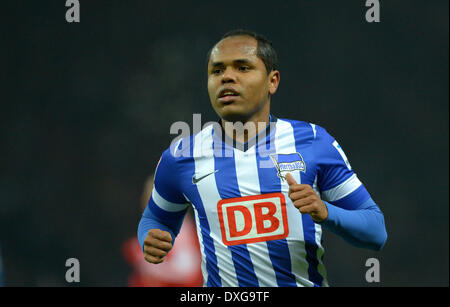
250,143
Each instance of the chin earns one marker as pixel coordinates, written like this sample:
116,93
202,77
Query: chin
230,113
234,117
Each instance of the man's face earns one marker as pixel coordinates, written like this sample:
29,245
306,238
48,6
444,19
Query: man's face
238,84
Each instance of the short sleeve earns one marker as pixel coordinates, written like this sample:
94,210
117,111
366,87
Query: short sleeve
167,201
336,180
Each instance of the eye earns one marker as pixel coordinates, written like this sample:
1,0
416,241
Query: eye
244,68
217,71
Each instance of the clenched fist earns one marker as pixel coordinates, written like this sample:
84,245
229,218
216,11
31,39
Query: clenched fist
156,245
306,200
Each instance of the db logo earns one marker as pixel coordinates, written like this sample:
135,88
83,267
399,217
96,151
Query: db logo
252,219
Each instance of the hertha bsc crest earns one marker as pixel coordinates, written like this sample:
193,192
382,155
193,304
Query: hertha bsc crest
286,163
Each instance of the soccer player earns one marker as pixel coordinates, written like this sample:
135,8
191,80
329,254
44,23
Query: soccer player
261,187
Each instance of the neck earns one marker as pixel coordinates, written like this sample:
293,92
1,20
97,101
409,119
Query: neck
242,131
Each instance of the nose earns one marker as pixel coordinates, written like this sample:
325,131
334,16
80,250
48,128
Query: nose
228,76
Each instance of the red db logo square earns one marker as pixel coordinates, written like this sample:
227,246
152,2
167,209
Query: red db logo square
252,219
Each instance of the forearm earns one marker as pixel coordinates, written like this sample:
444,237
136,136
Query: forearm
363,227
150,221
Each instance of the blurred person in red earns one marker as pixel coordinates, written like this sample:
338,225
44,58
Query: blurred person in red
1,268
181,268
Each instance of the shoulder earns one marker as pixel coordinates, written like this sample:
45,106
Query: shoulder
184,147
306,129
309,133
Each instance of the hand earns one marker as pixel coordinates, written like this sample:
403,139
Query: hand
156,245
306,200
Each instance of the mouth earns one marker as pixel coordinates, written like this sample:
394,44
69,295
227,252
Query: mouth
227,95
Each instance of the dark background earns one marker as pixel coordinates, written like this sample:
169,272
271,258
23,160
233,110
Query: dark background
86,110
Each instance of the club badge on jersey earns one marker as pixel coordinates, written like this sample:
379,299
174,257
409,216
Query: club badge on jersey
286,163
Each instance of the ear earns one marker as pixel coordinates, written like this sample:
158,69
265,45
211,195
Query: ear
274,81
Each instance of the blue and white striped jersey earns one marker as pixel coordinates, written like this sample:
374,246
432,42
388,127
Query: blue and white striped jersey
249,231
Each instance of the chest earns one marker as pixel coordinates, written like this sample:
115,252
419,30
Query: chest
249,173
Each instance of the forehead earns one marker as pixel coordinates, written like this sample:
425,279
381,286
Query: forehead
235,47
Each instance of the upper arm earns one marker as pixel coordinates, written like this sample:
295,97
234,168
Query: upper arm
167,203
338,183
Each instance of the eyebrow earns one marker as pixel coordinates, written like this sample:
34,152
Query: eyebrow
238,61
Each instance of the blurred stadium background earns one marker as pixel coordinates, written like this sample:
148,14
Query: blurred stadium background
86,111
